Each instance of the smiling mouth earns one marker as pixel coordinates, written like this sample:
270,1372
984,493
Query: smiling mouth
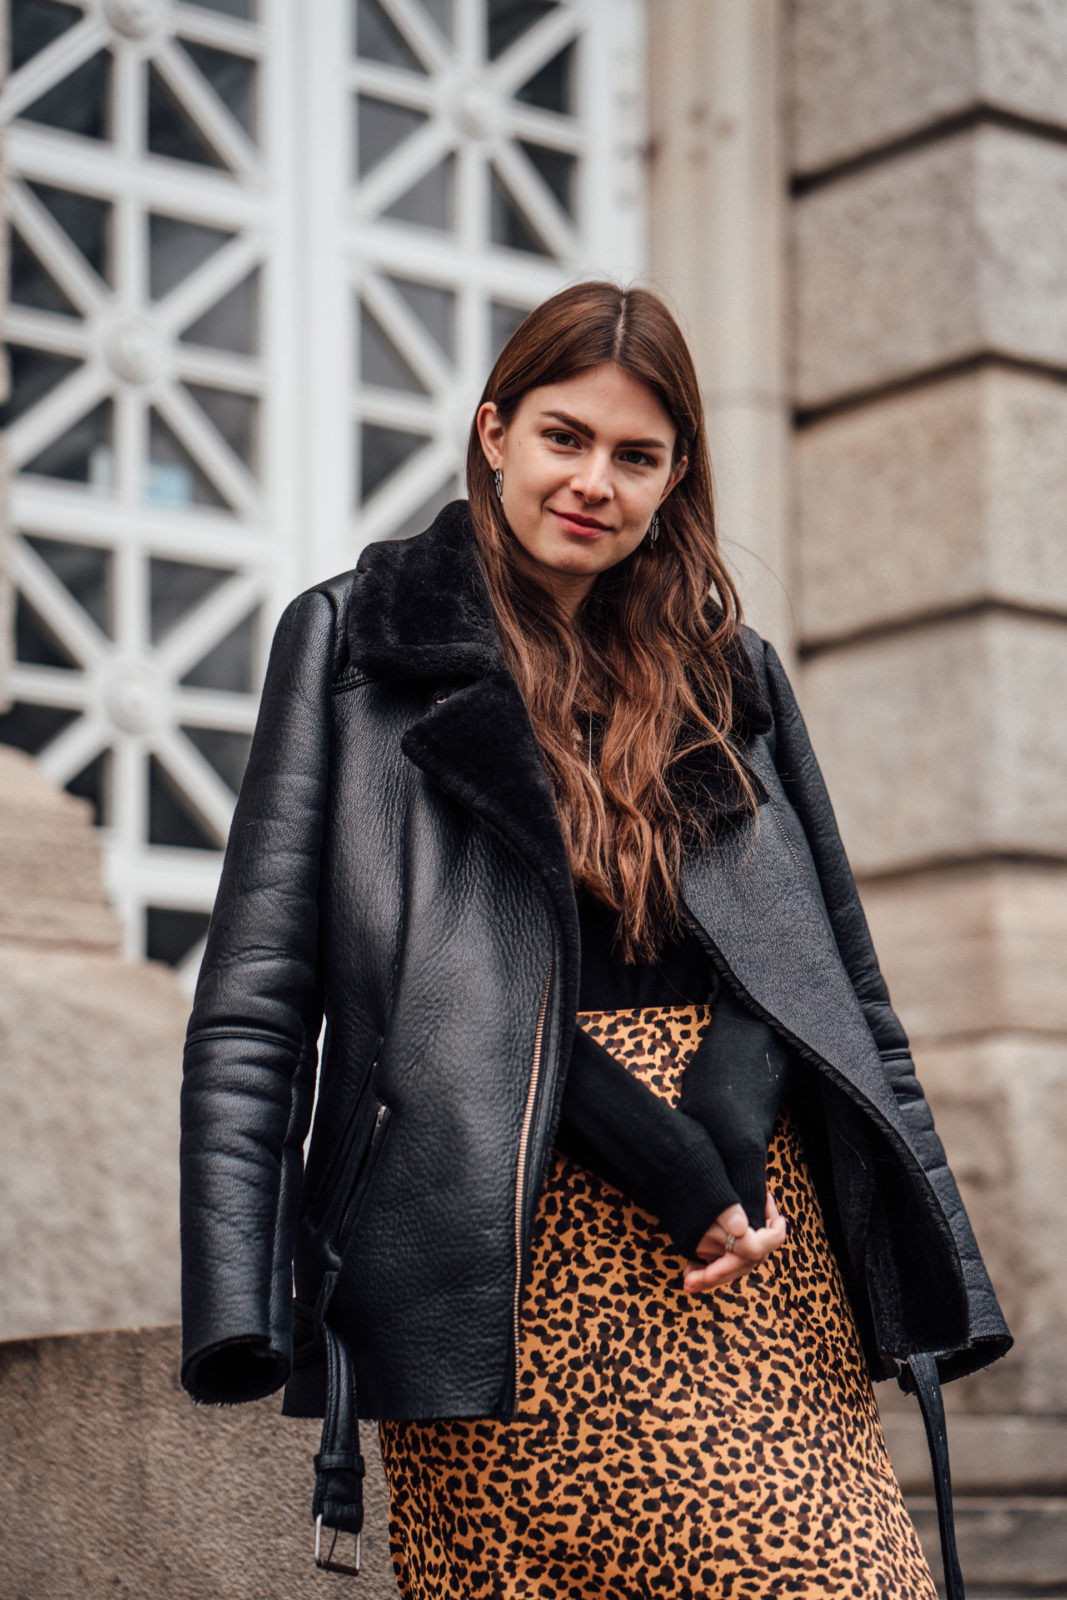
586,523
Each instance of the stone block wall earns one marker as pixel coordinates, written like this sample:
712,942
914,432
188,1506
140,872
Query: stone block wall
928,155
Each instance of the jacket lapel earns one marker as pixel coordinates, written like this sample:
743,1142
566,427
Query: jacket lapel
757,897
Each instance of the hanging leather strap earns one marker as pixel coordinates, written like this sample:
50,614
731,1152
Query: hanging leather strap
339,1468
923,1369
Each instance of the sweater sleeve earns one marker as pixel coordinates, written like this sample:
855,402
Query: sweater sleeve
659,1157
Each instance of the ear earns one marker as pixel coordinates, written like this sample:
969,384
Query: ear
678,472
491,433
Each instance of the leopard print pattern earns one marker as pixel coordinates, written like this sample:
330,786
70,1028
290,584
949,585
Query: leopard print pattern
666,1444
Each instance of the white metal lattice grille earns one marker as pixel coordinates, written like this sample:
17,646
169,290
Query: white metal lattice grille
262,254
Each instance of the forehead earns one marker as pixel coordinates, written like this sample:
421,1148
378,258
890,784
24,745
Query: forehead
609,401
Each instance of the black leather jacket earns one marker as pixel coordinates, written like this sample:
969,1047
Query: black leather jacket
395,865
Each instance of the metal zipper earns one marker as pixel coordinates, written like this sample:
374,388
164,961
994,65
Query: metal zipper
521,1165
365,1168
339,1159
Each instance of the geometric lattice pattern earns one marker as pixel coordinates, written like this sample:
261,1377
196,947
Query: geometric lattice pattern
262,253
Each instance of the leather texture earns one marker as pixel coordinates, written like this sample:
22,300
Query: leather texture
395,866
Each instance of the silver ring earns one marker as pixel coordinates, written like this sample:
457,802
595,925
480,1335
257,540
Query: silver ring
731,1240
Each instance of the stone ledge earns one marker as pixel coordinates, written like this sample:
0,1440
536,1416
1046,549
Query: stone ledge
944,743
1012,1455
91,1047
1010,1541
115,1485
974,948
955,250
51,890
864,73
947,496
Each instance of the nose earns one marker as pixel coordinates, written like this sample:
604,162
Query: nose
592,478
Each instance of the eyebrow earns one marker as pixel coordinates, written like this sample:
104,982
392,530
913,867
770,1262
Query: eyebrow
586,431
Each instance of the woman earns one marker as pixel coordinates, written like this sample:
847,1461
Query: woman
524,771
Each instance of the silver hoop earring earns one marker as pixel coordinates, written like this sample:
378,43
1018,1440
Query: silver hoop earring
653,528
498,483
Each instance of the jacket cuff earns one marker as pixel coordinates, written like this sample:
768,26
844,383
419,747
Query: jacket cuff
234,1371
698,1192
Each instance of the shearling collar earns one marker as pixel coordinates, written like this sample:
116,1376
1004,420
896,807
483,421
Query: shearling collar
420,608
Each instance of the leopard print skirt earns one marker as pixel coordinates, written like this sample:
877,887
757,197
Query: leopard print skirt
667,1444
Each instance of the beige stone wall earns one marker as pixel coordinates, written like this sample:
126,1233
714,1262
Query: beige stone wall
929,330
91,1046
115,1487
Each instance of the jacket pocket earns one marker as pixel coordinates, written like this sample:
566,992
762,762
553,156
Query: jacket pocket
361,1173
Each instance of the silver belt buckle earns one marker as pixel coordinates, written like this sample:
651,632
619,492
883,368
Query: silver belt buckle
326,1562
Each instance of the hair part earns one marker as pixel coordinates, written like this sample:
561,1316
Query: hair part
643,663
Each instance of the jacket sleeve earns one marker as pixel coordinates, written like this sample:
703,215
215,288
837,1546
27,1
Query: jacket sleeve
806,791
251,1045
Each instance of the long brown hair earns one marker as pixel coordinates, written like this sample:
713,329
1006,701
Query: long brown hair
644,659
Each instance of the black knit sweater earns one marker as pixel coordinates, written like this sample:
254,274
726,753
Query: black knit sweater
687,1164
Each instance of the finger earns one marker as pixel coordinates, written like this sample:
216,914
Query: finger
732,1223
699,1278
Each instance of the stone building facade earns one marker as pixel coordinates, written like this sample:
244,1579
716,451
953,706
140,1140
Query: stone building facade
859,208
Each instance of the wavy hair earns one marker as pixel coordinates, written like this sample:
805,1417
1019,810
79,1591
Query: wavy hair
642,668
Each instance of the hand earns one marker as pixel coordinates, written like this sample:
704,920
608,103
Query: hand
717,1264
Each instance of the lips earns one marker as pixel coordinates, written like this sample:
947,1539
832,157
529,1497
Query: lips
583,527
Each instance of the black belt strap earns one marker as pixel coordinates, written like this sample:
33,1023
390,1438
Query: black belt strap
923,1369
338,1502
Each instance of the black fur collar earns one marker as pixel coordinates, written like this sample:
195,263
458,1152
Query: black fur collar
420,609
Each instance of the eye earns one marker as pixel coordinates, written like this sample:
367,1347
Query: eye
560,436
638,458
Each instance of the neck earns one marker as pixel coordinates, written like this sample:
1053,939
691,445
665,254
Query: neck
567,589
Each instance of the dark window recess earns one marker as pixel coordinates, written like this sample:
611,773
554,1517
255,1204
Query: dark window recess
432,201
33,373
508,20
247,10
34,24
235,416
557,169
177,248
81,103
503,320
84,219
171,131
552,87
35,643
172,819
224,750
83,454
232,323
441,12
382,451
228,666
434,307
31,728
171,476
507,225
31,284
380,362
377,38
170,935
233,79
381,128
93,783
85,571
175,588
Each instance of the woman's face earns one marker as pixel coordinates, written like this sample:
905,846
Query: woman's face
585,462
